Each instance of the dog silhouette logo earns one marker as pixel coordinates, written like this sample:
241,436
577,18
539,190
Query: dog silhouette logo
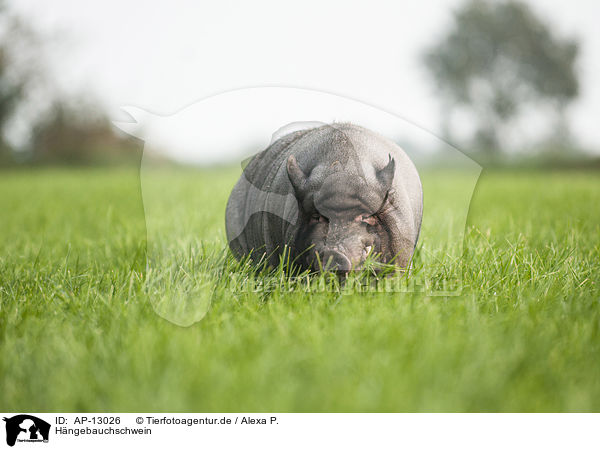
26,428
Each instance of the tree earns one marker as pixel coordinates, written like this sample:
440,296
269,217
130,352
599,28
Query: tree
60,129
78,134
12,84
497,58
10,93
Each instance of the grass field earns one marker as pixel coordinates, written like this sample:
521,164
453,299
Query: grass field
78,331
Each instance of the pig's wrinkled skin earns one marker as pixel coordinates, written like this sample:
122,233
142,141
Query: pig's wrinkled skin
332,195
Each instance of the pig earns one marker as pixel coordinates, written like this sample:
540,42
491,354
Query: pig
333,195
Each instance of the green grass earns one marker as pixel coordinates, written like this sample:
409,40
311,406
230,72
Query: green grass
78,331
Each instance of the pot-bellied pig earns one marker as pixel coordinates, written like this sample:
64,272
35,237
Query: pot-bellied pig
332,195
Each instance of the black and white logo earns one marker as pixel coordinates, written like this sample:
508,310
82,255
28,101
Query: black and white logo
26,429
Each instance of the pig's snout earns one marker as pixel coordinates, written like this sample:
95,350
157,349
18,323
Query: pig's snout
336,261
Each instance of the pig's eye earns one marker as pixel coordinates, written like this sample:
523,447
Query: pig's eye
371,220
318,218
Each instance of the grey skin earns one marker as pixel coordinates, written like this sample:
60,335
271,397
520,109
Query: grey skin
332,195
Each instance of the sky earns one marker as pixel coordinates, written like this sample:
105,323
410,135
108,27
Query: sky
162,56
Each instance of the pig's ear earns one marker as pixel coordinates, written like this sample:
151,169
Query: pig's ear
297,176
385,176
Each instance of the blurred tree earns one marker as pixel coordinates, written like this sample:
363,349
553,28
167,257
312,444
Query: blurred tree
497,58
12,85
11,91
58,128
79,134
